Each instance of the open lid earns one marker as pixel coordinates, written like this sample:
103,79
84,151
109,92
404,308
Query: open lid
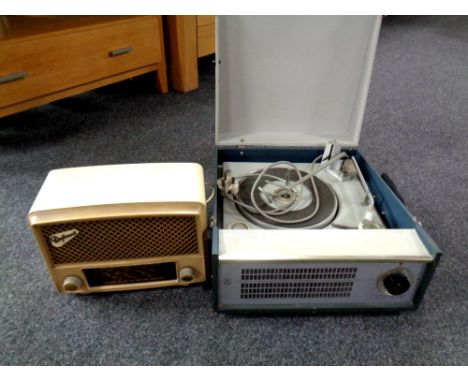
293,80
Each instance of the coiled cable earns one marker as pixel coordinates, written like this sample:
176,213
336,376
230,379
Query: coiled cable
287,188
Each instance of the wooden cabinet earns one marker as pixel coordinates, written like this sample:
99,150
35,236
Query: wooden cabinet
188,38
44,58
205,35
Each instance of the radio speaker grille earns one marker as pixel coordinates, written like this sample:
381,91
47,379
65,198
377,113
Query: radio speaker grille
120,239
295,282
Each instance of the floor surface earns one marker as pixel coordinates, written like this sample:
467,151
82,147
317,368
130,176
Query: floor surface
415,129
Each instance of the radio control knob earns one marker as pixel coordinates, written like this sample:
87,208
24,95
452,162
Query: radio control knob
187,274
72,283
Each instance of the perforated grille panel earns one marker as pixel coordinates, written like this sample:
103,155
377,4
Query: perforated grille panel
296,290
118,239
295,282
297,273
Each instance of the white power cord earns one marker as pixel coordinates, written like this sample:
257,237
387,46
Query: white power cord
230,189
210,198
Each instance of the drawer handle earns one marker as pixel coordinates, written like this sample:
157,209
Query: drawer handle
13,77
119,52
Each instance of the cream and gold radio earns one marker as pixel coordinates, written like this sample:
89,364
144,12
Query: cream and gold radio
122,227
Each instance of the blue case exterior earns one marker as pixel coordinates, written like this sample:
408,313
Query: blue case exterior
393,211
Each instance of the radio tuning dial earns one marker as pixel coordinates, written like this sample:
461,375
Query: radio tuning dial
72,283
187,274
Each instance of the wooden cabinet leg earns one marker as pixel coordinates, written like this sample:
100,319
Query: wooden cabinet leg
181,40
161,73
161,79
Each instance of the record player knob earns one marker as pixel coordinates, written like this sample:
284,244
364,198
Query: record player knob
72,283
187,274
396,283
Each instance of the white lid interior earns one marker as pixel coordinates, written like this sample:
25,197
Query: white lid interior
293,80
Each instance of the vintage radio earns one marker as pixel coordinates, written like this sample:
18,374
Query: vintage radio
303,222
122,227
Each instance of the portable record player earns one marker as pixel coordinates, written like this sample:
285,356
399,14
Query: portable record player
303,222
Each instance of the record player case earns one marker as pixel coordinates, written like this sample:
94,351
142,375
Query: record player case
325,65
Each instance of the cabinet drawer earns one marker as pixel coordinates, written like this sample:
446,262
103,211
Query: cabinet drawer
48,64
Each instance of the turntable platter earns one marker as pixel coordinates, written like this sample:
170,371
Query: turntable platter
304,201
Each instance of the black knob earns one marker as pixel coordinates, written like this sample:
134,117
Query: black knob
396,283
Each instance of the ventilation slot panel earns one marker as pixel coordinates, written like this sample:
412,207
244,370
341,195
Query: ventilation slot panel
296,283
291,290
120,239
254,274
